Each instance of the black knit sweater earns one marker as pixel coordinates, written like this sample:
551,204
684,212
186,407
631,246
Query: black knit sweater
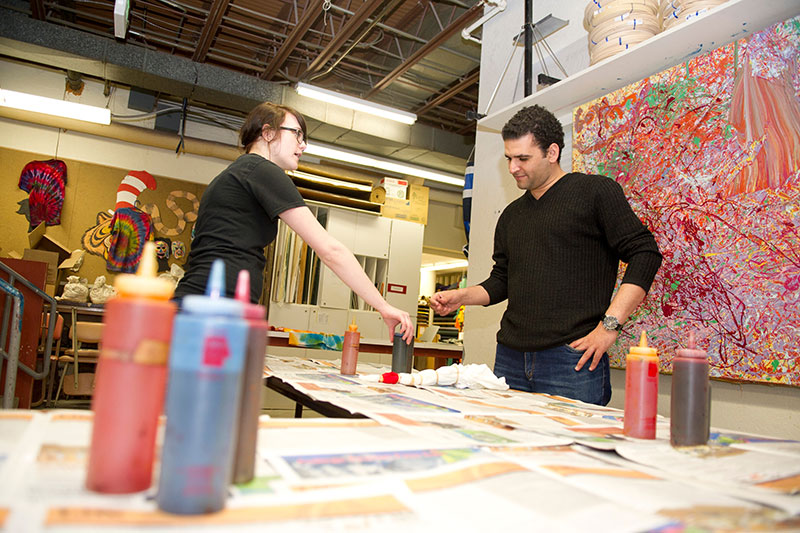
556,260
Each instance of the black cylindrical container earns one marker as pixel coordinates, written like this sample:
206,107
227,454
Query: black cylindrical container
402,354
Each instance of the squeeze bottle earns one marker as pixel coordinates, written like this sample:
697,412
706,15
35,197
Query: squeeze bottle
350,349
690,401
205,372
641,391
252,378
131,380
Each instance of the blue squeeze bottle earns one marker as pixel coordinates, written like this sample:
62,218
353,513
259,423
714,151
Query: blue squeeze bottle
203,391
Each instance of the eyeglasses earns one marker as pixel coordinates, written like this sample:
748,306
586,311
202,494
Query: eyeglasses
297,133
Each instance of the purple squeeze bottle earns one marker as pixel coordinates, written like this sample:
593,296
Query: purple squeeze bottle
252,378
205,369
690,402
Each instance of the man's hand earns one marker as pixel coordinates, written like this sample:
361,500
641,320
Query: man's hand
595,345
445,302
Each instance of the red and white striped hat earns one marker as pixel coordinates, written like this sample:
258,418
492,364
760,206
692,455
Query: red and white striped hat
134,183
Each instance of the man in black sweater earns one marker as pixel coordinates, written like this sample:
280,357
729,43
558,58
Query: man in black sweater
557,250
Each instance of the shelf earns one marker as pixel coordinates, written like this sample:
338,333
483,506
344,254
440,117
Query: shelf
724,24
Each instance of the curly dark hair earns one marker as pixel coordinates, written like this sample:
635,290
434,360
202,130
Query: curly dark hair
540,122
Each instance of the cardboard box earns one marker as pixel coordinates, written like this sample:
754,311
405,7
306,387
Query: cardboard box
41,238
47,249
73,261
414,209
51,258
395,188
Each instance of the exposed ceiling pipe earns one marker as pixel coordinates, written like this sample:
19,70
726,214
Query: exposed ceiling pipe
498,6
387,8
338,40
436,41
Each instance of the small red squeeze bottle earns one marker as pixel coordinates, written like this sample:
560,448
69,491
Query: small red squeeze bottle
350,349
252,381
641,391
690,403
131,380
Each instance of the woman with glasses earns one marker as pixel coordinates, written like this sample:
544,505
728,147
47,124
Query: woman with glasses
239,214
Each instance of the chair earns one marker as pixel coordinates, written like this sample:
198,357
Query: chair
47,383
80,383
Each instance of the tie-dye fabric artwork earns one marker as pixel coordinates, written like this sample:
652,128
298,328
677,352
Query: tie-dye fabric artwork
45,182
708,153
130,228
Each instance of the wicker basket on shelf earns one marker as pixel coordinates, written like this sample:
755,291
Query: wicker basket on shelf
613,26
674,12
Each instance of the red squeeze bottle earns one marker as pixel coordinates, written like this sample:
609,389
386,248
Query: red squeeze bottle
350,349
131,380
641,391
252,377
689,417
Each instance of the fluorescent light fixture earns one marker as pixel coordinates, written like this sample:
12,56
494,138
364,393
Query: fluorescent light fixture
357,104
446,265
330,181
121,10
51,106
382,164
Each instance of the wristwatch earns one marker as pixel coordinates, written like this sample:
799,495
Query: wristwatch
611,323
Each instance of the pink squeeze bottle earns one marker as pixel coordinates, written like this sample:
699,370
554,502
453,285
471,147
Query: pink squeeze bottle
690,402
252,378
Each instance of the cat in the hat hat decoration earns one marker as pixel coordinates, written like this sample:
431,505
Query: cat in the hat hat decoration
130,226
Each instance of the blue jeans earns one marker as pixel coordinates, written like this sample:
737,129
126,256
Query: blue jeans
553,372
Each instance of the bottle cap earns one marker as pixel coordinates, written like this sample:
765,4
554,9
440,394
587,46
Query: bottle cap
691,350
353,326
214,301
643,349
145,283
251,311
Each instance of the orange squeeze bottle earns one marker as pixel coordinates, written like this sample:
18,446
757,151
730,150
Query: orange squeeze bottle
131,380
641,391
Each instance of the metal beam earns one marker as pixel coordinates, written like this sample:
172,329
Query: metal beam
215,14
56,46
313,10
467,17
37,10
452,91
352,25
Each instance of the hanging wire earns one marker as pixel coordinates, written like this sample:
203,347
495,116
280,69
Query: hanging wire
181,146
505,69
538,50
549,50
326,7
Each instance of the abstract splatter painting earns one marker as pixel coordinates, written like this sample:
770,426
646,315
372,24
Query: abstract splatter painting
708,153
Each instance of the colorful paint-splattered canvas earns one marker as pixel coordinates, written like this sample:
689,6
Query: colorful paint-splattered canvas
708,153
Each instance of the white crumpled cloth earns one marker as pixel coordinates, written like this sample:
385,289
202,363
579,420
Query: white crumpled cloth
458,375
101,291
76,290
